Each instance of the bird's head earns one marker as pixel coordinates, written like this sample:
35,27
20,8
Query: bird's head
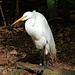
25,16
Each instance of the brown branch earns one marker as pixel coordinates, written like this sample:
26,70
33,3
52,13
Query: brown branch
3,17
59,18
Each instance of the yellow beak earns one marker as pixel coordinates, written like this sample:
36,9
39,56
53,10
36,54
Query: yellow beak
20,19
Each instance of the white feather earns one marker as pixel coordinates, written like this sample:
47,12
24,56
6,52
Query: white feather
37,27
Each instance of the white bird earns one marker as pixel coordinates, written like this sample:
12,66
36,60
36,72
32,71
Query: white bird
38,28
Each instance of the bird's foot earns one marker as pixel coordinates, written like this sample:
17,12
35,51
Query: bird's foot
41,68
41,71
45,67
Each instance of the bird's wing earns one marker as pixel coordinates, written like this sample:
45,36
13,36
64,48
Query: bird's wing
48,34
50,40
45,31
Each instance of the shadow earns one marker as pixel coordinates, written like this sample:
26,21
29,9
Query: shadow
23,43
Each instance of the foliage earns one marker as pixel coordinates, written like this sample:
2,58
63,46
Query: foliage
53,6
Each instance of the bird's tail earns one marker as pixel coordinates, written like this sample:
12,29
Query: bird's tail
53,53
51,48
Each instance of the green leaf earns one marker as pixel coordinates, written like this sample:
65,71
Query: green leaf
72,2
52,7
25,55
17,72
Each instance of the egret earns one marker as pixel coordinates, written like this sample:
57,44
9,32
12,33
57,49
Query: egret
38,28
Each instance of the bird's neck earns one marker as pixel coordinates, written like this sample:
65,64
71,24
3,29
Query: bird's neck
31,22
29,26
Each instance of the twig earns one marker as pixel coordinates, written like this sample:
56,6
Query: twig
3,16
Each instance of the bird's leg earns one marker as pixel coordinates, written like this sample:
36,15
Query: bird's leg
40,59
45,64
44,58
40,65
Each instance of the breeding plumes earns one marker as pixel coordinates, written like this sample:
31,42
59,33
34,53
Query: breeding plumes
37,27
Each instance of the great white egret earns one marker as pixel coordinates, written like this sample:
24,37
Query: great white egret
37,27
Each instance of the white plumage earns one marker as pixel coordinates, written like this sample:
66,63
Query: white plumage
37,27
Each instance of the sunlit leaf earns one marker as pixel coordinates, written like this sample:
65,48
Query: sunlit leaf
25,55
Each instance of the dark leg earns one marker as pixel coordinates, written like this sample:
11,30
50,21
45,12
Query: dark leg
40,65
40,59
44,58
45,64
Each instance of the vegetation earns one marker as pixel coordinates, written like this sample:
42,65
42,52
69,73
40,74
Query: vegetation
57,7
